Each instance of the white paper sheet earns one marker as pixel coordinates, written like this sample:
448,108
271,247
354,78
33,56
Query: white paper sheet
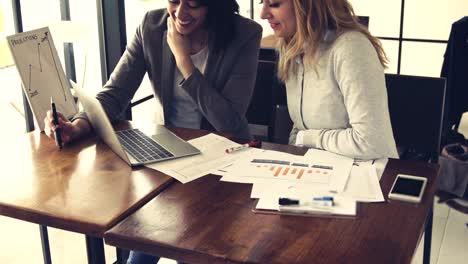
379,166
41,73
274,166
341,164
363,184
212,157
263,189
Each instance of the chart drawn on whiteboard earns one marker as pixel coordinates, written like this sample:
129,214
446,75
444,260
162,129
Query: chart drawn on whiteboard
41,72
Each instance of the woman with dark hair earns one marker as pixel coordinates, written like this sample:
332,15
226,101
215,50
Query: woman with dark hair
201,60
333,69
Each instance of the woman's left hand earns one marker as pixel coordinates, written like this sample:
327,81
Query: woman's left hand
180,47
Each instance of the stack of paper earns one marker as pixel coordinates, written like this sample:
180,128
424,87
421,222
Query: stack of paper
213,156
326,172
277,174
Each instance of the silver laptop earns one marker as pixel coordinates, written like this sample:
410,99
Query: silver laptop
133,146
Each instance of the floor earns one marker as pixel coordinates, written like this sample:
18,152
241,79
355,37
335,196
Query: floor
449,230
20,242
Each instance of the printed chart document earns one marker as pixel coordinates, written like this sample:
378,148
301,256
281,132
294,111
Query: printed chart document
325,171
363,186
213,156
41,73
274,166
343,166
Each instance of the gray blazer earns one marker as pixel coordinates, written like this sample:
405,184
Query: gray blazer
222,94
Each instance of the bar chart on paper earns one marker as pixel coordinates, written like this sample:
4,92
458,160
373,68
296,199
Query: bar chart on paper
322,170
285,170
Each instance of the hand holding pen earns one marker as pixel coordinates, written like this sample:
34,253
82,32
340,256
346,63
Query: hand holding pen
57,130
67,129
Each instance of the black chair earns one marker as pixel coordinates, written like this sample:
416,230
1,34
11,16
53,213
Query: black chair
364,20
416,106
261,104
268,54
281,124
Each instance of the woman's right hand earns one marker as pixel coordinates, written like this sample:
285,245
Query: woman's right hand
69,130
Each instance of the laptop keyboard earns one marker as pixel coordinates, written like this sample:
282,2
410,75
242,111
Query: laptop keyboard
142,147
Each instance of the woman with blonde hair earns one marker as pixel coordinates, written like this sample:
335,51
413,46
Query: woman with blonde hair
333,69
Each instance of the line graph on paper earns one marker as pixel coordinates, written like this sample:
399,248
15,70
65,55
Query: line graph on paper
41,73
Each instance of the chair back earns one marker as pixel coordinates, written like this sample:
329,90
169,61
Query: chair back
416,106
281,124
267,54
260,108
364,20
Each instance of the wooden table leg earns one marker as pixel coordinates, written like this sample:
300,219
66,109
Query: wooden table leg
428,236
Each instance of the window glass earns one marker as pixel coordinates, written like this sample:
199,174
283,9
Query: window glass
384,16
136,10
85,39
134,13
6,28
81,31
391,49
432,19
244,8
11,103
422,59
32,19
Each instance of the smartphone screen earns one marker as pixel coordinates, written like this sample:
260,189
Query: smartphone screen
407,186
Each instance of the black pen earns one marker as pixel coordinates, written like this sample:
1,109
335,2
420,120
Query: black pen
57,132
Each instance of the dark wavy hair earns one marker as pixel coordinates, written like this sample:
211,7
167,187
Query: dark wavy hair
220,20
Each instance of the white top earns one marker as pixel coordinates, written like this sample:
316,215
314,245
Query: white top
344,100
183,111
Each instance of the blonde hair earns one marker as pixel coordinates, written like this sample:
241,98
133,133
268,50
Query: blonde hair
313,18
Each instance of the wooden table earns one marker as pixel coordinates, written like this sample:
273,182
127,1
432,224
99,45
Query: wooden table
83,188
208,221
